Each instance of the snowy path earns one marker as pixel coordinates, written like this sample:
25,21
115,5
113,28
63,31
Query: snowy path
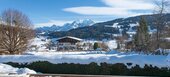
87,57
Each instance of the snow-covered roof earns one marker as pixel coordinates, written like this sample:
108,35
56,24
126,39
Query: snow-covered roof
167,38
70,38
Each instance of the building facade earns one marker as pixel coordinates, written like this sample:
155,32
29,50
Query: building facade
69,43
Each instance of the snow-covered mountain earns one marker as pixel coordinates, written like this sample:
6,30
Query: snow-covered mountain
115,27
67,26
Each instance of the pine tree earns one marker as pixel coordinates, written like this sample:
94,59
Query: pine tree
95,46
141,39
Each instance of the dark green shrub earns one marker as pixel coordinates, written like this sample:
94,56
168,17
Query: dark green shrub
94,69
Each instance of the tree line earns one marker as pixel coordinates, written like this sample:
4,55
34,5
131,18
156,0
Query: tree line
148,42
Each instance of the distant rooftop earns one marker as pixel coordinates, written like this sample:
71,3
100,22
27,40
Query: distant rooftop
70,38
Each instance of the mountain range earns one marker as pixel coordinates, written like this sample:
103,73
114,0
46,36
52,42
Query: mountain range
66,26
104,30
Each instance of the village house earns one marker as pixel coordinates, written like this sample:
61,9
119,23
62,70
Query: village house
69,43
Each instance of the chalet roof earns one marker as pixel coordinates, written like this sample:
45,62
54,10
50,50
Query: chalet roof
75,38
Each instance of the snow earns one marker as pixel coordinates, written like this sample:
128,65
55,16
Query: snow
133,24
131,31
167,39
70,37
39,43
115,25
67,26
7,69
112,44
86,57
82,57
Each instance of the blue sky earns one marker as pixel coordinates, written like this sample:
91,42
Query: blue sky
48,12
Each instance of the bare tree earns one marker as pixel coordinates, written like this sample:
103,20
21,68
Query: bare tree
121,40
15,31
160,11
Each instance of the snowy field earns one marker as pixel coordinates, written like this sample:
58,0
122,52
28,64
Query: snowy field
86,57
9,71
83,57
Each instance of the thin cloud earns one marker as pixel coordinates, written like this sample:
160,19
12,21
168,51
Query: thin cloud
129,4
52,22
114,7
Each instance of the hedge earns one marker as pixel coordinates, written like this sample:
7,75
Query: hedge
94,69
